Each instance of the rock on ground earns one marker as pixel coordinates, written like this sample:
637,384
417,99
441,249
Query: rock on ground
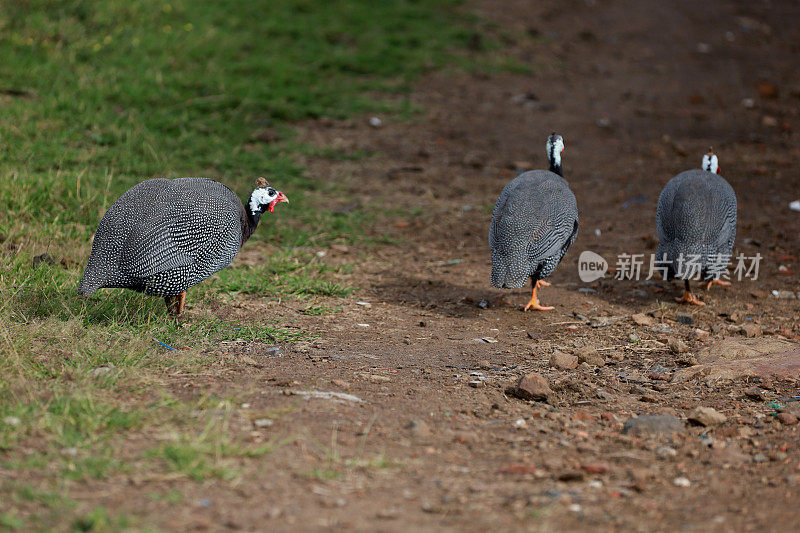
533,386
652,425
706,416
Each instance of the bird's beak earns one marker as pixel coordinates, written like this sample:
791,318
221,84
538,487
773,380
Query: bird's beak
719,169
281,198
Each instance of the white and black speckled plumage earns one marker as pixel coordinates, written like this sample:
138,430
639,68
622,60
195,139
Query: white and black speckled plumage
534,223
165,235
696,217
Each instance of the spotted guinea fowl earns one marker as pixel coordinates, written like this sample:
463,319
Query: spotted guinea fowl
535,221
696,221
165,235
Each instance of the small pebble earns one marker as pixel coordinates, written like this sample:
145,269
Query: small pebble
681,482
665,452
263,422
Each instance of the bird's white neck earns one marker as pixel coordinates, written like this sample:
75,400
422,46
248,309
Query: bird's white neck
710,163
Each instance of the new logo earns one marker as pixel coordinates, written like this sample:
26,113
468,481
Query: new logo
591,266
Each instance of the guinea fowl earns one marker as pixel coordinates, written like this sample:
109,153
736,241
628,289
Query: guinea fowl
696,221
534,223
165,235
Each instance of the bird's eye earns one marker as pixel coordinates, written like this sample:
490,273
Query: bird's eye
271,191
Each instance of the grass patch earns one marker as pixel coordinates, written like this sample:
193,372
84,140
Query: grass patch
210,453
284,274
96,97
317,310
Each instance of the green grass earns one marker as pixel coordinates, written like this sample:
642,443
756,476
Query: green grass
286,274
99,95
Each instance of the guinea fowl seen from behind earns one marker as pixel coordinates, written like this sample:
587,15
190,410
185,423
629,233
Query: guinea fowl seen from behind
696,223
534,223
165,235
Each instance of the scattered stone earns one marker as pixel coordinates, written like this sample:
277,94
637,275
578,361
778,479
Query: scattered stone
653,425
760,458
755,393
784,295
341,383
687,359
263,422
648,398
419,428
485,364
706,416
484,304
677,346
642,319
520,423
684,318
665,452
477,383
519,469
388,514
767,90
563,361
751,330
11,421
787,419
69,452
736,357
603,321
596,468
375,122
101,371
604,395
324,395
681,482
634,338
533,386
591,356
301,347
274,351
571,475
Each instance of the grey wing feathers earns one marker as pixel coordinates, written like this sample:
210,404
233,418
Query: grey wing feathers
534,222
163,236
696,218
171,239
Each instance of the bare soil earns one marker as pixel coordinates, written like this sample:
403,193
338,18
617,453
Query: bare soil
639,90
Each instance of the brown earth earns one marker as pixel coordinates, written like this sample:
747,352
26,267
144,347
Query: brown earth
639,90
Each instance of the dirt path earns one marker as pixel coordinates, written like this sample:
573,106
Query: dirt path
639,90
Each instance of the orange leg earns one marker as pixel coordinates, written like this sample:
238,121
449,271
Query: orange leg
175,304
717,282
534,303
688,297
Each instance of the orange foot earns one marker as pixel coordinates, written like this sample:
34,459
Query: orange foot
689,298
717,282
175,304
534,303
